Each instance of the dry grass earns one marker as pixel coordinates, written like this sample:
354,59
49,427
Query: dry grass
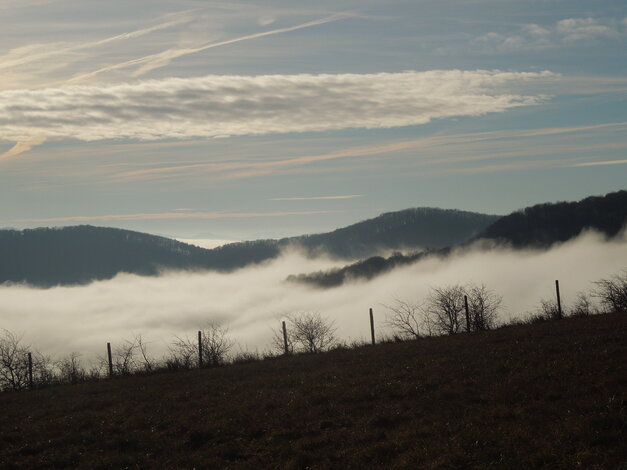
551,395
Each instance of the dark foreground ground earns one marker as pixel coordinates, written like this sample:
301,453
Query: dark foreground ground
550,395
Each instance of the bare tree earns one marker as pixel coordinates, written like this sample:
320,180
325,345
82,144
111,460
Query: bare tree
612,292
407,318
13,361
216,344
446,305
483,306
309,332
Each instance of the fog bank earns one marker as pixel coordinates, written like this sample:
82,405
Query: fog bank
252,301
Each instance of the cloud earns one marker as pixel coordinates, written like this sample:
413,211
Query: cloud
219,106
171,216
162,59
563,32
22,147
252,301
316,198
441,149
43,52
603,163
577,29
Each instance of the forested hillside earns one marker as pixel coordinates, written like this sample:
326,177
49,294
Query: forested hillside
74,255
544,224
80,254
538,226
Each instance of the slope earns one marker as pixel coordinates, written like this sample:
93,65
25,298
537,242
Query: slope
551,395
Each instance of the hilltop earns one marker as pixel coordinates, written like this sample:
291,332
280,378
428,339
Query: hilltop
550,395
540,226
77,255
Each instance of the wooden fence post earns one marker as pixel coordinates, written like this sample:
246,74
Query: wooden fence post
467,313
559,300
30,371
285,345
200,349
372,327
110,360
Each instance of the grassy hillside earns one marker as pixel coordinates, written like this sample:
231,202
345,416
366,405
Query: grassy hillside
551,395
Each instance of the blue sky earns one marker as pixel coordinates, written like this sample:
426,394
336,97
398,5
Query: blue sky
242,120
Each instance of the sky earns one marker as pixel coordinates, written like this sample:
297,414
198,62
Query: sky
234,120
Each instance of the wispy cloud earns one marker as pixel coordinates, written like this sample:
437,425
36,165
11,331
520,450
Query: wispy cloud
21,147
564,32
486,145
34,53
171,216
603,163
316,198
218,106
154,61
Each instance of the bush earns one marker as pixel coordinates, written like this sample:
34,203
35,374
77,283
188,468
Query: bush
306,332
612,292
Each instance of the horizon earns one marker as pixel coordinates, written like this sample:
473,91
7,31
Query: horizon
209,242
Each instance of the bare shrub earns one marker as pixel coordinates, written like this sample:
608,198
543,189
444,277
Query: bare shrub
216,345
483,306
306,332
70,369
183,354
446,305
13,362
547,310
124,357
408,319
612,292
583,305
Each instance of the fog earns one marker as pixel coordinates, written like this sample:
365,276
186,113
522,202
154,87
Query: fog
253,301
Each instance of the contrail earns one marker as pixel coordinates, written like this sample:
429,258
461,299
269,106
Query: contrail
22,147
27,56
162,59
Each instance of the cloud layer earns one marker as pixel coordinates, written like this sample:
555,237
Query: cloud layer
252,301
568,31
218,106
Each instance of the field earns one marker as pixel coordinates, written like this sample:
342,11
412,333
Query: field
549,395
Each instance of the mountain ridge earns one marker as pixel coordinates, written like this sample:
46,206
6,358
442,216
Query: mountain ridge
538,226
45,257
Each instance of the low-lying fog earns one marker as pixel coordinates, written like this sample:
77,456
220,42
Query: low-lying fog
252,301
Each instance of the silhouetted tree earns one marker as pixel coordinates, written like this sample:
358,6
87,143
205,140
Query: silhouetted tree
612,292
306,332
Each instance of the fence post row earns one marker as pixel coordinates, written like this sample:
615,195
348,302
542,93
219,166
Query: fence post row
110,360
559,300
285,346
200,349
467,313
372,326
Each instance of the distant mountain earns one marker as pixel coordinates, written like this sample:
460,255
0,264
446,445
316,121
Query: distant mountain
539,226
420,228
543,225
76,255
